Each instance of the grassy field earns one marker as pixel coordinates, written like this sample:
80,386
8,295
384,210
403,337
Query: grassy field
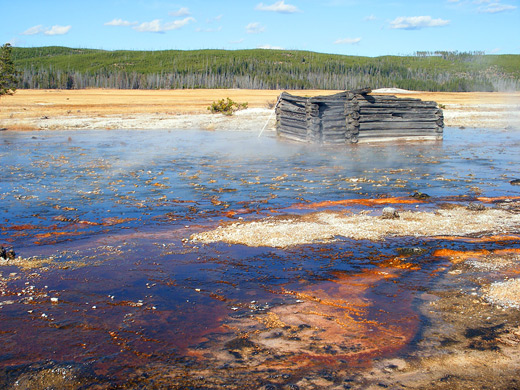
99,108
99,102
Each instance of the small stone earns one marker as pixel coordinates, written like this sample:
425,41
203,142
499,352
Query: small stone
390,213
476,207
54,300
515,182
420,195
7,254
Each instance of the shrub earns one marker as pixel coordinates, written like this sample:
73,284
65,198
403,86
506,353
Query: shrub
226,106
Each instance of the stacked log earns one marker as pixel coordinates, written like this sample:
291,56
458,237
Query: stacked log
332,115
291,117
372,117
355,115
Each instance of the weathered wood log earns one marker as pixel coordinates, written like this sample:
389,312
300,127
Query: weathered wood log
397,125
361,91
292,98
292,135
396,132
334,123
397,106
295,130
295,126
334,130
332,111
328,99
372,98
397,118
292,115
292,108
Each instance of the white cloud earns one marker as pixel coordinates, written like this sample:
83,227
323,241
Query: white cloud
417,22
120,22
270,47
183,11
58,30
493,8
255,28
370,18
54,30
34,30
157,26
347,41
241,40
279,6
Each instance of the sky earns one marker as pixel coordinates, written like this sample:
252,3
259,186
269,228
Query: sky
352,27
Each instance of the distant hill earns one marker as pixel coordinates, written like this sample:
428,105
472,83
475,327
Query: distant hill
68,68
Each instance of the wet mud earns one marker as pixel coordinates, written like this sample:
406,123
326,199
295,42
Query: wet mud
108,289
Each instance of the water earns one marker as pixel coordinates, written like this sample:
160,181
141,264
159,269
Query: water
115,209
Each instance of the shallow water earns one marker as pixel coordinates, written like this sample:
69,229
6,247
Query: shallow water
115,209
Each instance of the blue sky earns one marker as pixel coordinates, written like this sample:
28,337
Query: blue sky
354,27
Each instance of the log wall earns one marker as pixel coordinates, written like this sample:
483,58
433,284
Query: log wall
351,116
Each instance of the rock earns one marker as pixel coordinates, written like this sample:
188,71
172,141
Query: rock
7,254
49,375
420,195
515,182
476,207
411,251
390,213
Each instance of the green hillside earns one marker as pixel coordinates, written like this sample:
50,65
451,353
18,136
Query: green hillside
61,67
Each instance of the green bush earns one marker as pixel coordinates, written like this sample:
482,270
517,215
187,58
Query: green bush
226,106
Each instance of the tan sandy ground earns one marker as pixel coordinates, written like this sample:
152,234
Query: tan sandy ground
168,109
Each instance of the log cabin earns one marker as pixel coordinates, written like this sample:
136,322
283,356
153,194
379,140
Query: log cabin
357,116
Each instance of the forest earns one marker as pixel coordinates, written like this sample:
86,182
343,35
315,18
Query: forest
72,68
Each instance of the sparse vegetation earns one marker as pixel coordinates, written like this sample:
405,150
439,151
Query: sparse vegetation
226,106
66,68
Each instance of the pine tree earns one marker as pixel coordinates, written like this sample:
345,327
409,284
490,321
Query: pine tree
8,73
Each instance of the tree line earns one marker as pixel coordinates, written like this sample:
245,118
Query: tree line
64,68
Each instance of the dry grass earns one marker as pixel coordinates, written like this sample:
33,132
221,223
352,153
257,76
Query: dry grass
27,109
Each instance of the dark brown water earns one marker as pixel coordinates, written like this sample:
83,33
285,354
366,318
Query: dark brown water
136,300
